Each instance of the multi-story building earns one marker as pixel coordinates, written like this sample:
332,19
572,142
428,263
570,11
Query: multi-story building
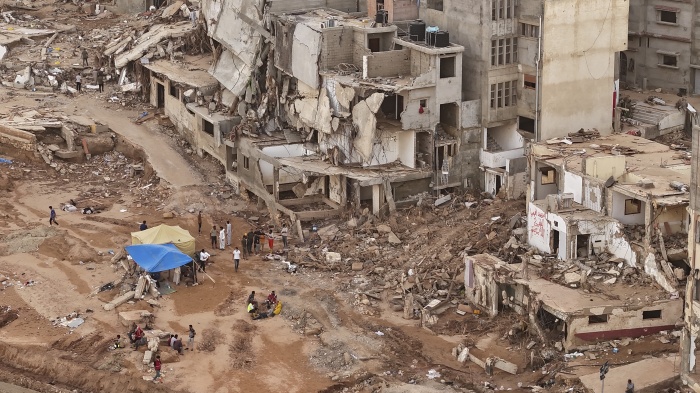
536,69
664,46
691,330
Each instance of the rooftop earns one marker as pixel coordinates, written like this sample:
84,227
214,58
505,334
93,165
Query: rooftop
644,159
191,72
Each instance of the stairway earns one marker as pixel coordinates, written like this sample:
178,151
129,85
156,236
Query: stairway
492,145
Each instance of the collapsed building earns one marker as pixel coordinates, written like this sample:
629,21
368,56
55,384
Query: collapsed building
620,196
563,314
313,110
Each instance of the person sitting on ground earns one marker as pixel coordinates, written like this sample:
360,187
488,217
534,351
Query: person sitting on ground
177,344
252,307
143,226
203,258
118,342
251,298
271,299
135,333
141,341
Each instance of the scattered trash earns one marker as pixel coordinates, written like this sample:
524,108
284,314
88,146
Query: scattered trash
432,374
378,333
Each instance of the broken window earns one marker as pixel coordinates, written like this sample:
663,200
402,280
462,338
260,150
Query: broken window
528,30
592,319
526,124
506,93
633,206
696,290
651,314
493,96
530,81
246,162
548,175
435,4
174,91
423,103
447,67
208,127
667,16
668,60
494,9
697,231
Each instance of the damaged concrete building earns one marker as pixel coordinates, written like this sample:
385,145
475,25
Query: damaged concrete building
525,66
619,197
570,316
691,330
314,110
664,47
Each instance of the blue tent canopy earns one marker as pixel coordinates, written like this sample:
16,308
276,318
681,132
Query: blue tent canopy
157,257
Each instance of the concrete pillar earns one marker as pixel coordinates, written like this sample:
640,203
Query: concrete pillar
276,183
376,198
648,215
356,194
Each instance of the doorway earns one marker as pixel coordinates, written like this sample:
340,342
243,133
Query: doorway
582,245
160,91
696,87
374,44
555,242
623,67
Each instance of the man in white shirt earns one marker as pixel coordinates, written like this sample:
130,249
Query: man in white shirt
284,232
203,258
222,238
236,258
228,233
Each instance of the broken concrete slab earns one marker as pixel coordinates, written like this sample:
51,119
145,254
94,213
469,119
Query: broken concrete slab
648,375
572,278
138,317
383,228
357,266
393,239
118,301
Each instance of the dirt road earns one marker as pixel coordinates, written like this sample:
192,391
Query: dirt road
166,161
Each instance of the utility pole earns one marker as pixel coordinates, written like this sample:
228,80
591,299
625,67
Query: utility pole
603,370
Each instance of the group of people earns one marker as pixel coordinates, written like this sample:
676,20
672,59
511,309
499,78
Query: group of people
222,236
252,243
272,306
138,338
98,74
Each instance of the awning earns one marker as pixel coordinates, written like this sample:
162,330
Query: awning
157,257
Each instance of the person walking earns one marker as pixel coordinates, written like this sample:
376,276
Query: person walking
52,216
212,234
199,222
78,82
190,340
271,239
222,238
100,81
244,245
630,387
236,258
256,240
157,365
284,232
85,57
143,226
228,233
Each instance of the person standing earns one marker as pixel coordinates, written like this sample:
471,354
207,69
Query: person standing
630,387
203,258
143,226
284,232
157,365
236,258
52,216
190,340
78,82
222,238
228,233
199,222
212,234
85,57
250,241
244,245
271,239
100,81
